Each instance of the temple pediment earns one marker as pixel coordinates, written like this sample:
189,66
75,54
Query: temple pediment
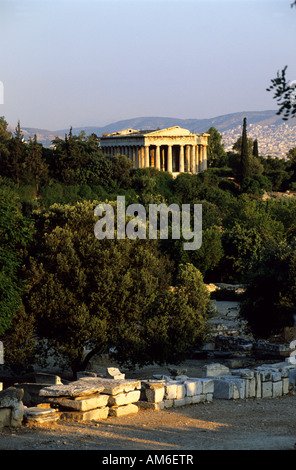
169,131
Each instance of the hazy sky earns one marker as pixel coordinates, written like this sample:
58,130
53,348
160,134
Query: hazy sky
92,62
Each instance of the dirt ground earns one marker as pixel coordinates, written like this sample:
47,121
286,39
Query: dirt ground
252,424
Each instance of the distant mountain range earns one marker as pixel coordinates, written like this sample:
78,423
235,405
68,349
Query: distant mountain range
227,123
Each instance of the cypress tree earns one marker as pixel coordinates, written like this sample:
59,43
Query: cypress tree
255,149
245,158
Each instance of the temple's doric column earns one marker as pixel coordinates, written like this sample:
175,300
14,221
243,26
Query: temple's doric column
199,158
157,159
205,158
132,156
138,156
192,159
196,159
187,157
162,159
181,159
170,159
147,162
137,153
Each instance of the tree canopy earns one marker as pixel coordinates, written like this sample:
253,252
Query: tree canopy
140,300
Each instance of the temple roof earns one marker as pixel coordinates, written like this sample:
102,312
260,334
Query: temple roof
169,131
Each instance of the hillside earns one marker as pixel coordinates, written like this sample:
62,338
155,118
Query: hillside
275,137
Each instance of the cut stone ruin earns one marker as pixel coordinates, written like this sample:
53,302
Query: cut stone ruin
95,398
265,381
86,399
11,407
11,404
292,358
167,392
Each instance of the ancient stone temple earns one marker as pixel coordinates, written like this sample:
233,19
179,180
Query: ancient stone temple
173,149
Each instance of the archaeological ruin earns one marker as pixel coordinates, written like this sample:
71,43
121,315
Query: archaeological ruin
174,149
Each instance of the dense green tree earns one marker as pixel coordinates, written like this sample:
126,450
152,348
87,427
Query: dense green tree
181,318
5,137
34,164
16,232
291,155
69,155
122,166
242,248
16,158
271,294
217,155
98,170
97,294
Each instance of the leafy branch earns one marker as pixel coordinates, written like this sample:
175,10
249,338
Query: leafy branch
284,93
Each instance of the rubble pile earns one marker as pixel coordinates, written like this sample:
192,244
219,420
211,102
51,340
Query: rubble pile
93,398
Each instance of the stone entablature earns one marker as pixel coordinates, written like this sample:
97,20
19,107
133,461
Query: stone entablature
173,149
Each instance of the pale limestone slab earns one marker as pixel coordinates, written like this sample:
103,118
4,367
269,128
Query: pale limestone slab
170,391
180,391
276,376
123,410
90,415
168,403
179,402
285,385
81,404
207,386
40,415
114,373
193,387
147,405
225,389
277,389
188,400
110,386
124,398
80,388
214,370
199,398
266,389
258,384
155,395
